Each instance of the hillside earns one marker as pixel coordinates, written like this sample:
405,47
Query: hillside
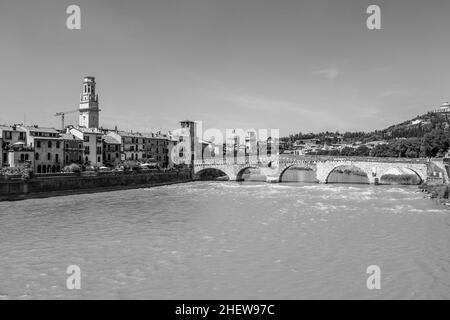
426,135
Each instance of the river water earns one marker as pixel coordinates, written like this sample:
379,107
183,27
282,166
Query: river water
223,240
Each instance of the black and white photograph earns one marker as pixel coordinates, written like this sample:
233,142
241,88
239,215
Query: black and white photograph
224,155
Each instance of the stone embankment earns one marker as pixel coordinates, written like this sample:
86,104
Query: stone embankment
44,186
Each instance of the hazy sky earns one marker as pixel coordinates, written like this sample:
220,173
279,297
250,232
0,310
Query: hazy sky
288,64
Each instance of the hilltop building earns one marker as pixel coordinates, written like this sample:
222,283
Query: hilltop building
444,108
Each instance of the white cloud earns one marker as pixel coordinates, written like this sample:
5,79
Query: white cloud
330,73
390,93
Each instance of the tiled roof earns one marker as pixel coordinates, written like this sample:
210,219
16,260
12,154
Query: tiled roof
68,136
110,140
40,129
10,128
89,130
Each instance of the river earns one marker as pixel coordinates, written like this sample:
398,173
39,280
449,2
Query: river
225,240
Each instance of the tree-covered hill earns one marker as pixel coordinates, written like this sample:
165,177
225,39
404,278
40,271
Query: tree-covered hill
426,135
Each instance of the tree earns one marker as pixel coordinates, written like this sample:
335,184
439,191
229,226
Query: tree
347,152
72,168
362,151
435,143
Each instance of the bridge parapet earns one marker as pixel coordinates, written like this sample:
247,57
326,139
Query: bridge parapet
289,157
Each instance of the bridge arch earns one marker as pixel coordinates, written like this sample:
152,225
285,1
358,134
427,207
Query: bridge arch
242,171
211,173
347,173
310,174
400,175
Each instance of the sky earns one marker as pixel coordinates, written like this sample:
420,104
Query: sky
281,64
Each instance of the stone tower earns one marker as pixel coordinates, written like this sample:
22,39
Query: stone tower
89,111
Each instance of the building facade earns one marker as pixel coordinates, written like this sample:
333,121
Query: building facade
131,143
92,145
48,148
19,155
10,136
73,149
111,151
157,150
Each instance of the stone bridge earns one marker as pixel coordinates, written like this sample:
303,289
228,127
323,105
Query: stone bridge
274,167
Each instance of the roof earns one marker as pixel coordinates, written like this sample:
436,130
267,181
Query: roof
130,134
110,140
88,130
40,129
69,136
10,128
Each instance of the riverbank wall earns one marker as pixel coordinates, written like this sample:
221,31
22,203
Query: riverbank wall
438,191
43,186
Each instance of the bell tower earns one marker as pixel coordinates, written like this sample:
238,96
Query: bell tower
89,111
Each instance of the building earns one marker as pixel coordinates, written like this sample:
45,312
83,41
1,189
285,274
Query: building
111,151
92,145
89,110
444,108
157,149
171,143
20,154
73,149
10,135
188,137
132,144
48,148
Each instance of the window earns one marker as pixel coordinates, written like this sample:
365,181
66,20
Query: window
38,144
57,144
8,135
49,144
99,159
56,157
117,155
67,146
22,157
36,156
86,138
21,135
49,156
27,157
